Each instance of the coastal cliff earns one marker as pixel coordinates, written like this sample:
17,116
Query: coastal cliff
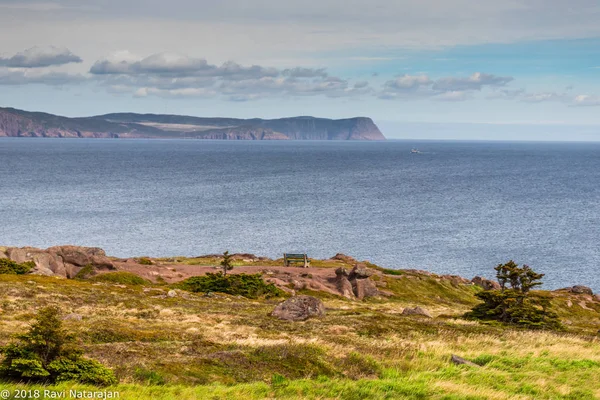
18,123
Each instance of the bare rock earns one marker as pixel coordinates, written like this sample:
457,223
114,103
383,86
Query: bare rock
18,255
596,297
341,271
364,288
580,289
49,262
344,286
417,311
344,258
461,361
299,308
486,284
82,256
360,271
456,280
172,293
298,285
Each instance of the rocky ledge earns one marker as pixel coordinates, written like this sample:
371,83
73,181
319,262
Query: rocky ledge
61,261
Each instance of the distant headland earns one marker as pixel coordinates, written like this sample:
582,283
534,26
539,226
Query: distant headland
19,123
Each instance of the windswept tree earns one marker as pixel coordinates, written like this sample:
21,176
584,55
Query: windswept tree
226,263
515,303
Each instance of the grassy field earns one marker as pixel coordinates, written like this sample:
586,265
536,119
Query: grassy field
226,347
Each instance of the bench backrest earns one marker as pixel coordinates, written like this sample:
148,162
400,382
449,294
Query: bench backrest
294,256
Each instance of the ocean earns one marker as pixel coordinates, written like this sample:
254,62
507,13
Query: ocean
454,208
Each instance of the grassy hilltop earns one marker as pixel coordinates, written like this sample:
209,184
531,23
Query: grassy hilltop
165,344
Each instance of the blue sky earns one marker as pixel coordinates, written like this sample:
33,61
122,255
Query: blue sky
473,63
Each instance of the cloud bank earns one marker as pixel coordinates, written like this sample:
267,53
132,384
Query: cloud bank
38,57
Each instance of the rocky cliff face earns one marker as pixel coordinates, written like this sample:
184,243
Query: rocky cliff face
17,123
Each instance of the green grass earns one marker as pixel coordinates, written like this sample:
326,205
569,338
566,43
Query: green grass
228,347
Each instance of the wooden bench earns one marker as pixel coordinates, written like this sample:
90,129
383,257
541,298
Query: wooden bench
289,258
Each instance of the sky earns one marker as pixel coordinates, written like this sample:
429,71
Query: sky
511,69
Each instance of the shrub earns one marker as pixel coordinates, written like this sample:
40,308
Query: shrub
122,277
85,272
247,285
226,263
145,261
514,303
8,266
47,353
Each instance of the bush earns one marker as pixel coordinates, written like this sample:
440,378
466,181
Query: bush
85,272
247,285
46,353
514,303
145,261
82,370
12,268
125,278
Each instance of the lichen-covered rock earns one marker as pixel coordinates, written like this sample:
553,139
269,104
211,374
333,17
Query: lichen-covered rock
486,284
417,311
299,308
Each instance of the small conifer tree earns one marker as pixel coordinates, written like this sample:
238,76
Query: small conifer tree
515,303
226,263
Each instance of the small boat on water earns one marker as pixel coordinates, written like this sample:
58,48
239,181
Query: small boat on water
415,151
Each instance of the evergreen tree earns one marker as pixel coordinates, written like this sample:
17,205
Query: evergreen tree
514,303
226,263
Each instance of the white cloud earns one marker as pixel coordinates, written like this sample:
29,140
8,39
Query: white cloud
169,74
455,95
37,57
474,82
26,77
586,100
444,89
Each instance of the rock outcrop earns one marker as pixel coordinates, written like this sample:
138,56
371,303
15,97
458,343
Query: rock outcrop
486,284
299,308
62,261
356,283
580,289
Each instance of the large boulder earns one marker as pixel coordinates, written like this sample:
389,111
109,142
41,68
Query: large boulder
19,255
364,288
344,286
417,311
82,256
299,308
486,284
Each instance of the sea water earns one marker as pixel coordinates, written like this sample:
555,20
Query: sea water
454,208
